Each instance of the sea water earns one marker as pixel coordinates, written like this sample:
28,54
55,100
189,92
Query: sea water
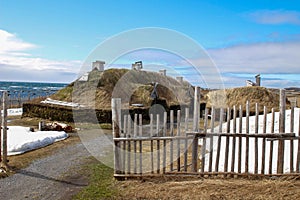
22,91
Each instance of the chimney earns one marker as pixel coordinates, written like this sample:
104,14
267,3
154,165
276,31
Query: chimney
137,65
179,79
98,65
163,72
257,79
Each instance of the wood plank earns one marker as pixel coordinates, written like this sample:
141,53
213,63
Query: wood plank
272,142
116,110
195,128
219,140
203,147
298,153
186,128
129,146
134,143
227,141
165,143
178,141
212,126
151,143
263,149
158,143
247,139
240,139
171,141
233,140
282,105
186,120
256,139
140,142
292,120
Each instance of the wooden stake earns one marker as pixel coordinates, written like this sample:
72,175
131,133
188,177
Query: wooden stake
282,104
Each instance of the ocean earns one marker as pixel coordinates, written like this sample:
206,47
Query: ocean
22,91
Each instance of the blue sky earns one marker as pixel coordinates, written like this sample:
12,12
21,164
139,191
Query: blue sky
49,40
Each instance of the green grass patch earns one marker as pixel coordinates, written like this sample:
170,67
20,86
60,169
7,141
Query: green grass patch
102,184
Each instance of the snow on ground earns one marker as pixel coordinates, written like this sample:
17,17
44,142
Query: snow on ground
252,144
20,139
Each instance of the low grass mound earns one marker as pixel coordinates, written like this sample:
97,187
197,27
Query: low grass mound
239,96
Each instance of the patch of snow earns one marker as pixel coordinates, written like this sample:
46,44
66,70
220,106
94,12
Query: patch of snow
61,103
13,111
252,144
20,139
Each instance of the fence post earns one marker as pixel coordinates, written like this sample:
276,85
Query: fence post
195,129
4,130
282,106
116,112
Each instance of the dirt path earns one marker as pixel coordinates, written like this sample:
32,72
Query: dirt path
54,177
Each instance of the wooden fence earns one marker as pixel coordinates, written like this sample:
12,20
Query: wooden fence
235,146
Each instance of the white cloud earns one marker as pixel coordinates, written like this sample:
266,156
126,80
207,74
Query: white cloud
21,65
275,17
10,43
280,57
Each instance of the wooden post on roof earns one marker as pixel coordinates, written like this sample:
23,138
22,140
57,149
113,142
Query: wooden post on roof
116,113
4,130
282,106
196,129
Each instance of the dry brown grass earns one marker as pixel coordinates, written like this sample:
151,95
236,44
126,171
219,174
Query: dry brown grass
198,188
239,96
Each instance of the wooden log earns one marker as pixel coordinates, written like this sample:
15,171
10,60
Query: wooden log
186,120
165,143
165,124
292,141
256,139
195,128
116,110
270,136
233,140
140,142
227,141
282,105
158,144
135,125
271,142
125,126
171,141
196,109
212,126
134,144
219,140
140,125
240,139
247,139
186,140
203,148
178,141
129,146
298,153
151,143
4,131
263,149
124,144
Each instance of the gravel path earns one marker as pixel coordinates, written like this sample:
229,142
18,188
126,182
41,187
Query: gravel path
52,177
